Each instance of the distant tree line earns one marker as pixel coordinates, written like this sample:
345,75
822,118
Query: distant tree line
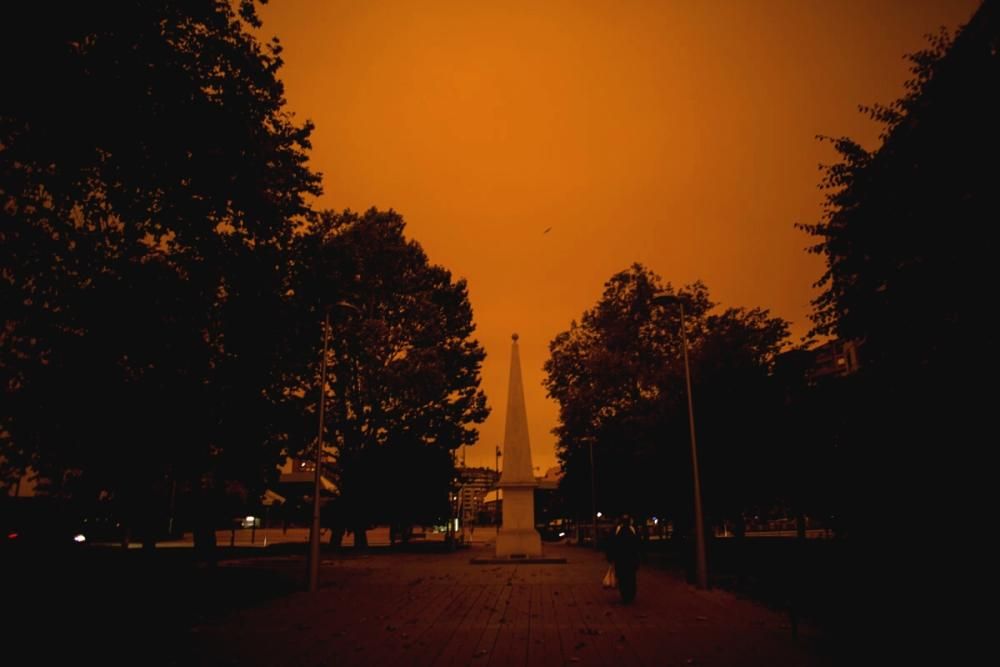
619,378
164,281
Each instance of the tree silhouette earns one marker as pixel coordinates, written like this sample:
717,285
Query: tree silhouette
905,238
151,181
618,376
403,393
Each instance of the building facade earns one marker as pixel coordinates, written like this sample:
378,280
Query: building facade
474,484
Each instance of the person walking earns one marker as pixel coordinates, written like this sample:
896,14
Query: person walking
624,553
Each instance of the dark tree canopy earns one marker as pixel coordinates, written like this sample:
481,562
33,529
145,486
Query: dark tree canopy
618,376
905,223
906,242
150,182
164,280
405,370
906,238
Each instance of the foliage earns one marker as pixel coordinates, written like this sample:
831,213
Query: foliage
619,379
403,391
150,182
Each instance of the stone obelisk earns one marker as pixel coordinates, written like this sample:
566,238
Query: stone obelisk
518,537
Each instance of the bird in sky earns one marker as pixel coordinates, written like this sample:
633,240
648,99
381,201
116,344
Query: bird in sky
547,230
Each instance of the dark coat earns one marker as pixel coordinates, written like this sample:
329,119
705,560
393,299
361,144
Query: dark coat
624,548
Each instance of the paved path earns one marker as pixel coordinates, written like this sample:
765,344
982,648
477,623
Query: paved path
438,609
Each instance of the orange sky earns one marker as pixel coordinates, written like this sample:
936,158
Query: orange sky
676,134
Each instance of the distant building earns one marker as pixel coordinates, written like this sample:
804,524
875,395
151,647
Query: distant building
294,490
550,481
474,485
303,471
835,358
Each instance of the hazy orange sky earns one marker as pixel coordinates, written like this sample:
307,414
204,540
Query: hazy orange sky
676,134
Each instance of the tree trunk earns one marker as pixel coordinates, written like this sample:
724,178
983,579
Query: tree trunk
204,524
148,540
360,537
204,543
336,536
147,521
741,556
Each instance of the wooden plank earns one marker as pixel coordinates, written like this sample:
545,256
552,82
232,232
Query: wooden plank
425,600
352,620
543,640
589,640
487,641
570,640
462,646
439,635
605,615
511,645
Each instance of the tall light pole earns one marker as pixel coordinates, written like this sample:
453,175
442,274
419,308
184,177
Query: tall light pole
317,484
496,505
593,490
701,567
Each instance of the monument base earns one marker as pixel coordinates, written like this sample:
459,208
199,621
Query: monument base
530,560
518,544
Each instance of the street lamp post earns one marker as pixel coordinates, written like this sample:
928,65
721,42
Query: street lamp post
701,567
317,484
593,490
455,502
496,504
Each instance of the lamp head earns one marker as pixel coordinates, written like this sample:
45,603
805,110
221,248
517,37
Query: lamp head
664,299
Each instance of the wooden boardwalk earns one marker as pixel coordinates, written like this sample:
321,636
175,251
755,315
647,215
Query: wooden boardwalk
438,609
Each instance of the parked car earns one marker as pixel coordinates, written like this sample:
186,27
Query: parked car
552,531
